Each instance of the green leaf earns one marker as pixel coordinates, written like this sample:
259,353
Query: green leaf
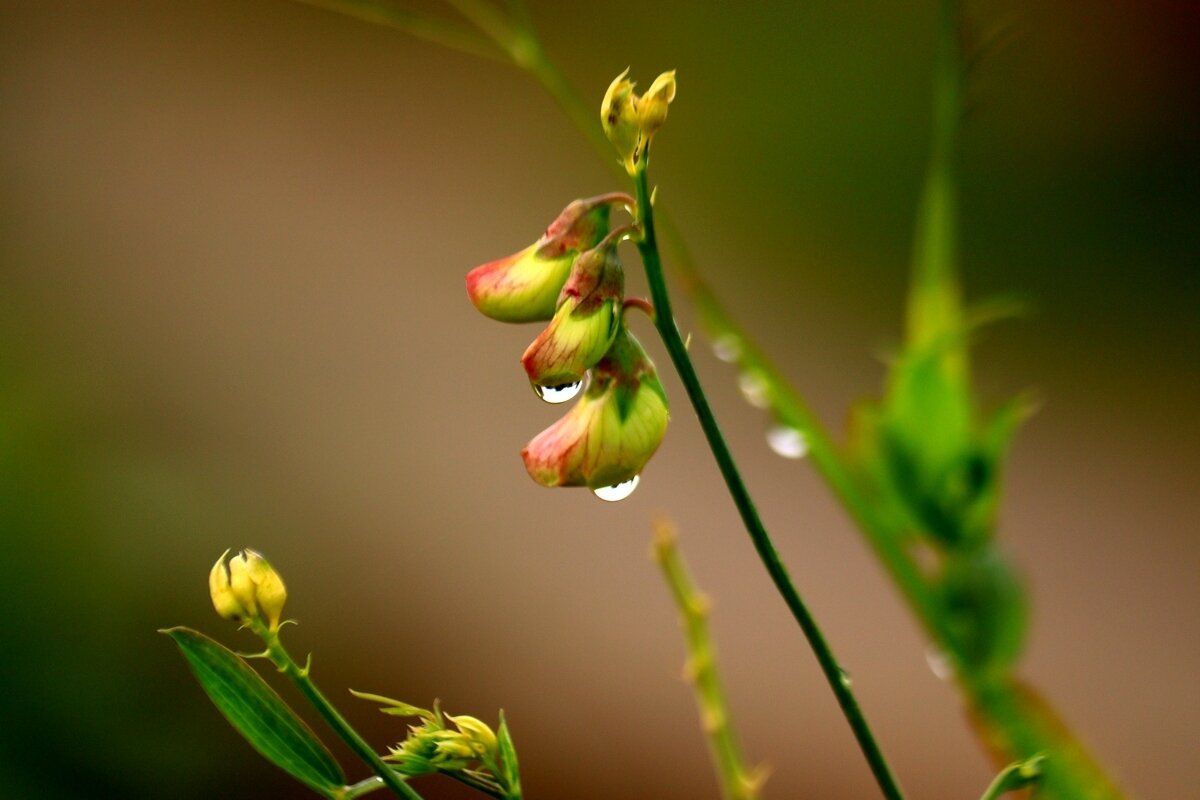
508,755
258,713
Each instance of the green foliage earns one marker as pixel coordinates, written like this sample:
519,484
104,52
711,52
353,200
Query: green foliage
258,713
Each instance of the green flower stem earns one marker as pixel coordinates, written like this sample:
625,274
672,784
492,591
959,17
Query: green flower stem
299,676
447,34
737,782
373,783
363,787
669,331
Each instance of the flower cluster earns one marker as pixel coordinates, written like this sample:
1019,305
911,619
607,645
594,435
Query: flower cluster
572,279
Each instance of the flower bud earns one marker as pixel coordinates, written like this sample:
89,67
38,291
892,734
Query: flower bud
247,587
619,117
586,322
652,107
610,434
525,286
477,732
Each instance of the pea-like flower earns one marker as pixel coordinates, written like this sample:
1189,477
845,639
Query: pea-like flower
587,319
525,286
614,429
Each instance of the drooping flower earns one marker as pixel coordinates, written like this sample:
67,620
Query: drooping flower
586,322
614,429
525,286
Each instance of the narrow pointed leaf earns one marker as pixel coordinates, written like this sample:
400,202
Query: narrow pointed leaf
258,713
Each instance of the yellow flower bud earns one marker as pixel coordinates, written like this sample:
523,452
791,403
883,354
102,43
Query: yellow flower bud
630,121
247,587
652,108
223,599
619,116
482,737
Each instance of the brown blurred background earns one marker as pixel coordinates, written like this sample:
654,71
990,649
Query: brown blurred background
232,243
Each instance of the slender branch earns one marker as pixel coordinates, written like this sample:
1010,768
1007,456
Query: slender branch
737,782
363,787
441,32
669,331
299,676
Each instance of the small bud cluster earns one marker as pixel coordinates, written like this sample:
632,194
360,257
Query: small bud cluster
247,588
630,121
468,747
612,432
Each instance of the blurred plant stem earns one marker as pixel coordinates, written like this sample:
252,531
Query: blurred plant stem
1010,718
300,677
737,781
664,321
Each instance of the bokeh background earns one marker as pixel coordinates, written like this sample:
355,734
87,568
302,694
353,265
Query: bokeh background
232,243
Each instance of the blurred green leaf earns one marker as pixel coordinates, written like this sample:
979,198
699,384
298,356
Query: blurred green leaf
258,713
986,608
508,757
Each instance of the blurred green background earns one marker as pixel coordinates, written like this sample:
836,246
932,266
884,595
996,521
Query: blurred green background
232,243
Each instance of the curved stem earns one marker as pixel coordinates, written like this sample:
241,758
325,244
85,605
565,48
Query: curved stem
669,331
299,676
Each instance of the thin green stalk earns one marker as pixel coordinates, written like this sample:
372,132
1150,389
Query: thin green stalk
737,782
665,323
440,32
299,676
363,787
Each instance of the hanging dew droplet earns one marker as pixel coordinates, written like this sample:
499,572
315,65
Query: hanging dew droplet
939,664
727,348
844,678
618,491
787,441
754,389
559,393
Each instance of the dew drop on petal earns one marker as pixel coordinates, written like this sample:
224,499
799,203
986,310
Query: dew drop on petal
727,348
559,393
939,664
787,441
618,491
754,389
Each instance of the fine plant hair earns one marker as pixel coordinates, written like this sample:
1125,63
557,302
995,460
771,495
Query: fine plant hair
919,474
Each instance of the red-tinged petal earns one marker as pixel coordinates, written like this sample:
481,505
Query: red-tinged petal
523,287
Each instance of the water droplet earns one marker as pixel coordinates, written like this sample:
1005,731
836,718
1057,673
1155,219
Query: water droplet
617,491
754,389
788,442
559,393
939,664
844,678
727,348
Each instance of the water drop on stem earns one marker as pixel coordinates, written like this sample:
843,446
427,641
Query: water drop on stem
787,441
